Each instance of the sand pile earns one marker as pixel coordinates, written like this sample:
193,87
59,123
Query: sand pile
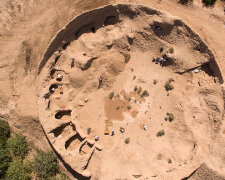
157,107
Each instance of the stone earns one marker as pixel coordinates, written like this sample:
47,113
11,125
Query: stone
80,103
86,100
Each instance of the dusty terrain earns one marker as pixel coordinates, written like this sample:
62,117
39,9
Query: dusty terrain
52,57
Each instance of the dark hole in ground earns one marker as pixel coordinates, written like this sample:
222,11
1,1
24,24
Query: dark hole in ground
169,61
59,79
59,130
162,29
62,113
72,62
48,104
73,138
130,40
66,45
53,87
88,64
110,20
56,59
52,72
85,148
109,46
93,29
206,68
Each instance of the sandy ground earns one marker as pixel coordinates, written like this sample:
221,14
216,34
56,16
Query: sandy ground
192,142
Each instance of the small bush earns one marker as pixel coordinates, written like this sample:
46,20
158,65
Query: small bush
5,160
168,86
145,94
111,95
185,2
171,50
17,171
134,77
60,176
169,117
4,132
160,133
135,88
128,107
63,176
127,140
139,90
45,165
18,146
28,165
155,81
208,2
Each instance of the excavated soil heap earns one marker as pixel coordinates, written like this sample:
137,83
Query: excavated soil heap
123,44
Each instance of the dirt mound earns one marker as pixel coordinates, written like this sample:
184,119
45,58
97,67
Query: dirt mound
130,72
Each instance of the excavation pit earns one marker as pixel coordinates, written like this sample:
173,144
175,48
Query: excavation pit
118,44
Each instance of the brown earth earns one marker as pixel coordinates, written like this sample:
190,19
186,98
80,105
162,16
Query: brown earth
104,38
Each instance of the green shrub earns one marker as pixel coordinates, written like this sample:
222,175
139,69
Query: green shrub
18,146
111,95
171,50
169,117
127,140
17,171
139,90
4,132
45,165
208,2
160,133
128,107
145,93
168,86
63,176
5,160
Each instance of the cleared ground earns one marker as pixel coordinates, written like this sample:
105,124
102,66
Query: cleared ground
26,31
121,44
